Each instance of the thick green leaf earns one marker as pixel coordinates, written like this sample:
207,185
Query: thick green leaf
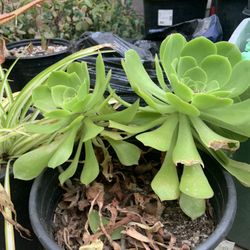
64,151
161,137
91,166
209,101
181,106
170,49
239,81
185,63
100,83
31,164
192,207
217,68
159,74
230,51
212,139
71,80
90,130
196,74
138,77
239,170
166,182
185,153
199,48
235,117
125,116
71,169
194,183
81,69
127,153
42,99
57,94
180,89
135,129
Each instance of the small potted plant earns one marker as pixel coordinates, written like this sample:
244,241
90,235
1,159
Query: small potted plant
194,110
16,109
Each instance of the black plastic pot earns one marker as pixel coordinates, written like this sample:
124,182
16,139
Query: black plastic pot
28,67
46,193
20,191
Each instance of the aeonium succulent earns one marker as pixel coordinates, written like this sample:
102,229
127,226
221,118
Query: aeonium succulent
201,107
76,114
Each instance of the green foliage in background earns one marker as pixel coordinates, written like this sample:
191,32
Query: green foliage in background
70,18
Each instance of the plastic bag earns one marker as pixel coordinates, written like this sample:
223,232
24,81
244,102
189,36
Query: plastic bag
209,27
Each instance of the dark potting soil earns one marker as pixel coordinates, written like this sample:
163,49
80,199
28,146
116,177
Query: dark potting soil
127,213
32,50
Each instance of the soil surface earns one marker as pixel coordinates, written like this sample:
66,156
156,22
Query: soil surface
125,214
32,50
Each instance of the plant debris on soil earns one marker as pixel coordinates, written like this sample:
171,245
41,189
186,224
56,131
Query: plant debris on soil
125,214
32,50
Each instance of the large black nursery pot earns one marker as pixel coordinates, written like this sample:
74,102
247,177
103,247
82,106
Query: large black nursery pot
20,191
46,193
28,67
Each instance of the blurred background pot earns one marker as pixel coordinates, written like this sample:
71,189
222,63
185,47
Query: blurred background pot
28,67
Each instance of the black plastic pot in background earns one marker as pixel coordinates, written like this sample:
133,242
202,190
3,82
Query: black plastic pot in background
183,10
28,67
46,193
241,226
20,191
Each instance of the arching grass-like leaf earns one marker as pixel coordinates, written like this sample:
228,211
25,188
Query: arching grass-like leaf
192,207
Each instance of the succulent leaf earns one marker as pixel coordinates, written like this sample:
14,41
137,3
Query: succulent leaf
185,153
194,183
217,68
192,207
161,137
166,182
199,48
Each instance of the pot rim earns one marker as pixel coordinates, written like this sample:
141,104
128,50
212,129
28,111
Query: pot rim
24,42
